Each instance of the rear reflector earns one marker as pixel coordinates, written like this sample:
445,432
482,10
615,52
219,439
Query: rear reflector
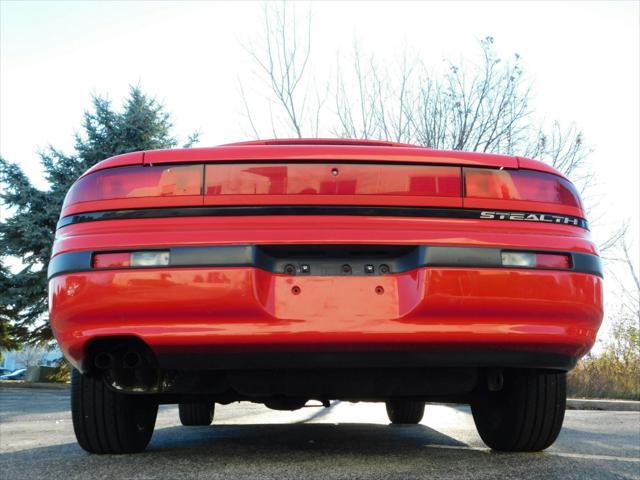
527,185
130,259
552,260
111,260
556,261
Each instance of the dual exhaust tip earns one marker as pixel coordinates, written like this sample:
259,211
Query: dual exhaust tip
129,359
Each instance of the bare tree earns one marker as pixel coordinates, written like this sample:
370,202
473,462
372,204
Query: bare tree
30,355
624,271
482,105
478,108
282,58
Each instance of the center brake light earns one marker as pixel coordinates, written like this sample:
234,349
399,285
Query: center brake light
332,179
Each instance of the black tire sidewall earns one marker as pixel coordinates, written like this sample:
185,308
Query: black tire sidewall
106,421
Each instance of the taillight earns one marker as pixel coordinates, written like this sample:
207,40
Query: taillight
131,259
526,185
552,260
135,182
111,260
171,185
556,261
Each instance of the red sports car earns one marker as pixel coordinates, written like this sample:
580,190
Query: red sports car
288,270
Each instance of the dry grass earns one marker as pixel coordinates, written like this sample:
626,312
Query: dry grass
62,372
606,376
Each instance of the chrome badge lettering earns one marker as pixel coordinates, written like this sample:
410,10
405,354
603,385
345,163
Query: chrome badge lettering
532,217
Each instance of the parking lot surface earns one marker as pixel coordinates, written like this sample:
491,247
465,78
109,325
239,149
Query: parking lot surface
343,441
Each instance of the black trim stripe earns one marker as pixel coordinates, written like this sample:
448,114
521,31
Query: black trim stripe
303,261
377,211
378,359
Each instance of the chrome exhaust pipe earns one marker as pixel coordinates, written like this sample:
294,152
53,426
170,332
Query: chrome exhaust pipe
104,360
132,359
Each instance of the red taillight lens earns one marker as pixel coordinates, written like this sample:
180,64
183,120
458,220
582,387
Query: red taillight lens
527,185
557,261
552,260
111,260
130,182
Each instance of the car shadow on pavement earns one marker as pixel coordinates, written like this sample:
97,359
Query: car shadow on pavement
361,438
234,444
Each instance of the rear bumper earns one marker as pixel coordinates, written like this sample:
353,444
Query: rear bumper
246,317
232,309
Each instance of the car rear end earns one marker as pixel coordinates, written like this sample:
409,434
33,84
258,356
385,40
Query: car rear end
284,271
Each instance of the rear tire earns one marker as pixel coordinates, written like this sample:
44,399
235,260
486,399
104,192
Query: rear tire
526,415
405,412
196,414
105,421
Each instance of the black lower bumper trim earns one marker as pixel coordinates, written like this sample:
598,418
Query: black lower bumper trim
379,359
328,260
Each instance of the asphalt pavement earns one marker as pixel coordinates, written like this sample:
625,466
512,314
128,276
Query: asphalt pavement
343,441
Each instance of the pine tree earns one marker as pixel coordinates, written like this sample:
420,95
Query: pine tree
7,338
142,124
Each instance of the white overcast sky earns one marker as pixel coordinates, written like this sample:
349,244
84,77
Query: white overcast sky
583,59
